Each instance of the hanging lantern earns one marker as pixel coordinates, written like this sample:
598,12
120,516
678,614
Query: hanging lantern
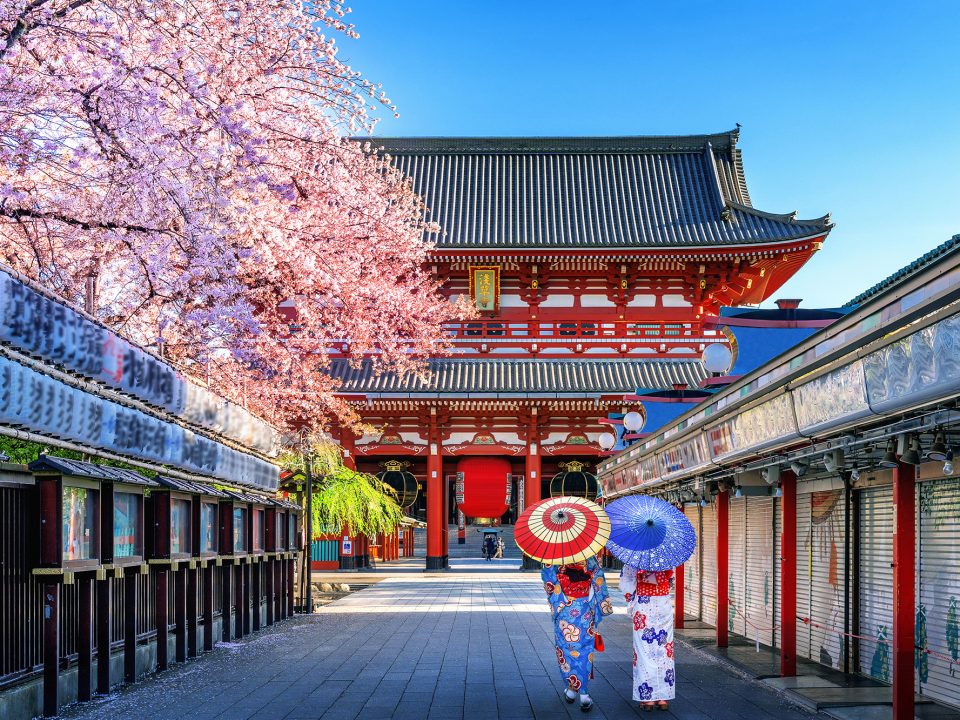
396,475
573,481
483,486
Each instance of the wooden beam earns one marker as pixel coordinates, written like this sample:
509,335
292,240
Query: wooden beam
130,625
85,637
161,599
104,616
51,649
180,612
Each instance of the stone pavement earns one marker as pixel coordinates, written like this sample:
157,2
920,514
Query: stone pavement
446,646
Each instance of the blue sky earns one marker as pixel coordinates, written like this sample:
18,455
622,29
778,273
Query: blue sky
851,108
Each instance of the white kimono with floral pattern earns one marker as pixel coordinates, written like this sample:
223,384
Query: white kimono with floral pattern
654,675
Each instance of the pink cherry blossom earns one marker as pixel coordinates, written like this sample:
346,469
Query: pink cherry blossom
189,162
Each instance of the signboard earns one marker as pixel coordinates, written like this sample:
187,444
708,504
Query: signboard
40,404
485,287
42,327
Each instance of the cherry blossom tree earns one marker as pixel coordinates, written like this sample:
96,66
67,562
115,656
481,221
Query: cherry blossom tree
185,165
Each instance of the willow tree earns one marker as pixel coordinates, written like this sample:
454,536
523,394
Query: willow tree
346,498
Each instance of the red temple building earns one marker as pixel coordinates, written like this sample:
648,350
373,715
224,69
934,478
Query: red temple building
596,265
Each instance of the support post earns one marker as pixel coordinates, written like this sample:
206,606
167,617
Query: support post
162,618
532,479
788,576
85,637
104,614
247,597
291,574
723,566
226,590
279,575
208,607
130,626
238,599
268,569
904,578
180,613
308,545
256,584
678,609
192,612
436,500
51,649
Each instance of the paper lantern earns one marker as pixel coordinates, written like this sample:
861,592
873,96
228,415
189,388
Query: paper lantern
574,481
403,482
484,486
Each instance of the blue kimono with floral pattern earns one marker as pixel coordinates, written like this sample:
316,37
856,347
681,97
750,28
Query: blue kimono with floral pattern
576,620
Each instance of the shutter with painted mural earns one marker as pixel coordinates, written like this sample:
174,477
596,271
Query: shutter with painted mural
827,576
937,622
759,599
804,561
737,545
691,569
777,565
709,553
876,582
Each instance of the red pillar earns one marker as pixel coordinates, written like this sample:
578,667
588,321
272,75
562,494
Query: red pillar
532,479
678,598
436,509
788,576
723,556
904,576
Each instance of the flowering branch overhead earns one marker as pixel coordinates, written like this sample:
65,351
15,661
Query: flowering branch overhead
190,158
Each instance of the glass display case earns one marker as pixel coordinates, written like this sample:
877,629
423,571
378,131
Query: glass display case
208,528
259,530
181,537
80,534
240,530
127,525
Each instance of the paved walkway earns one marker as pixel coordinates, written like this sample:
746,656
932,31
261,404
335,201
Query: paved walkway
445,646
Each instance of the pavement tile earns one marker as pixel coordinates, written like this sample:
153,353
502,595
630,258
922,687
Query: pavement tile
419,647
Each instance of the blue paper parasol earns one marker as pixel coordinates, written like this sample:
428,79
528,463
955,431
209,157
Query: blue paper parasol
649,534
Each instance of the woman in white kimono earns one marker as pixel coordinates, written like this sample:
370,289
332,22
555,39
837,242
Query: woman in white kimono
650,607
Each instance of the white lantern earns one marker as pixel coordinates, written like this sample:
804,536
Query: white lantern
717,358
607,440
633,421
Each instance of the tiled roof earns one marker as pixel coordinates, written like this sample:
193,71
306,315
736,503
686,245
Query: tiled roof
534,377
608,192
190,486
78,468
903,273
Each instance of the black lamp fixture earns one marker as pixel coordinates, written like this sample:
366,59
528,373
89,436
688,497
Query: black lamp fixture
912,455
938,451
889,460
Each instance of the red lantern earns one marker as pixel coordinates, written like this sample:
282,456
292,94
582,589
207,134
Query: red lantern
484,482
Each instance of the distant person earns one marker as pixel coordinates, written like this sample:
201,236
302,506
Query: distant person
578,601
489,547
650,607
499,548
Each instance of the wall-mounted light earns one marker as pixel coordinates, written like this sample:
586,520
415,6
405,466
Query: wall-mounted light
779,491
607,441
633,421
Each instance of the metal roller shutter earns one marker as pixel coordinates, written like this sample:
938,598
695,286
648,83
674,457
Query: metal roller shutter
777,535
827,576
691,569
759,599
709,582
804,562
876,582
938,614
736,608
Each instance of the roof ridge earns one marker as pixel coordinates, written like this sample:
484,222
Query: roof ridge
907,270
592,144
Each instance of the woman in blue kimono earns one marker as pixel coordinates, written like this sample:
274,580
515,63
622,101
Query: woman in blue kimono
578,602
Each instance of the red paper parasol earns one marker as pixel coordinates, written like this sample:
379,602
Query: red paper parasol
562,530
